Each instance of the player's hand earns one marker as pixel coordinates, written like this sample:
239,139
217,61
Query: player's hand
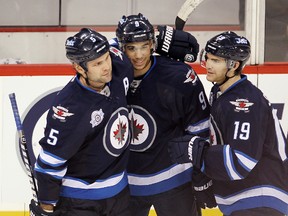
187,149
36,210
176,44
203,190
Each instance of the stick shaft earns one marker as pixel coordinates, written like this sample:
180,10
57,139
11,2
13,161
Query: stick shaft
23,146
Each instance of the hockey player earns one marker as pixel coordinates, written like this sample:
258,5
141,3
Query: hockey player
166,100
248,157
81,168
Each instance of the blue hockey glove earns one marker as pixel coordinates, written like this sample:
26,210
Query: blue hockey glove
203,189
187,149
36,210
176,44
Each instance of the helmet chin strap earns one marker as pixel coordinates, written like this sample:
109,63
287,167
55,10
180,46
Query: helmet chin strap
86,79
84,66
226,78
230,65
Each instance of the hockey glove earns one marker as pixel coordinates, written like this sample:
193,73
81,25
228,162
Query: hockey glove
176,44
186,149
36,210
203,190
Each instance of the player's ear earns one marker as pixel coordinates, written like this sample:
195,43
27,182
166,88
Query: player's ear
233,64
79,69
236,65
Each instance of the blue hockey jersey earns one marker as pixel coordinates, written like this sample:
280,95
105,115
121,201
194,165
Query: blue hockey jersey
84,151
166,103
248,160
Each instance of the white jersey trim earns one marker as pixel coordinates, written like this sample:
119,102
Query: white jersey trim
76,183
254,192
228,160
167,174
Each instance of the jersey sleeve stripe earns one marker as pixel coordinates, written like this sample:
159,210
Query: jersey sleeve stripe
198,127
229,165
246,162
50,159
53,173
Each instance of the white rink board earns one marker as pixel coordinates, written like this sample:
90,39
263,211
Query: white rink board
15,188
275,88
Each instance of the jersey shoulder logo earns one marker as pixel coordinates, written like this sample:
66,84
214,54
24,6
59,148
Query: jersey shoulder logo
61,113
191,76
242,105
116,52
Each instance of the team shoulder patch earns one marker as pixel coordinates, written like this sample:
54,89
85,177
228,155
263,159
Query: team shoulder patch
61,113
242,105
116,52
191,76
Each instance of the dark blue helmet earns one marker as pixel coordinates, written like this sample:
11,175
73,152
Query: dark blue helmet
229,45
134,28
85,46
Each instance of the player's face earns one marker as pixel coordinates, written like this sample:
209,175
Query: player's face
139,54
216,68
99,70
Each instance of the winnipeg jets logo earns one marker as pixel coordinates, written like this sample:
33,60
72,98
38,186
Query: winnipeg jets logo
241,40
121,130
70,43
137,125
143,129
61,113
116,52
220,37
242,105
116,135
191,76
96,117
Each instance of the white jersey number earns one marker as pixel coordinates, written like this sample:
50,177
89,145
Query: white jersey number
202,100
52,140
241,130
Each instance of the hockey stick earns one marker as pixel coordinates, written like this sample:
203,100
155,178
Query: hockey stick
23,147
186,9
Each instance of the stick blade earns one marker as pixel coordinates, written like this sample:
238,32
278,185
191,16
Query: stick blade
186,9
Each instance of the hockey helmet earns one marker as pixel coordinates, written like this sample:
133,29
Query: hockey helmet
229,45
134,28
85,46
